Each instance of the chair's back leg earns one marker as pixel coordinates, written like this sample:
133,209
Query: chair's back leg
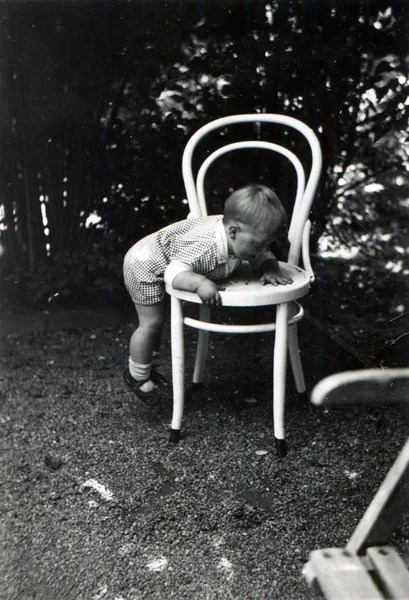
202,346
295,359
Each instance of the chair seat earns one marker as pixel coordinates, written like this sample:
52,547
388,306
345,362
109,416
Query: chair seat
243,288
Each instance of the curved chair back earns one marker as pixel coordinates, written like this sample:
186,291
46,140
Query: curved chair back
299,224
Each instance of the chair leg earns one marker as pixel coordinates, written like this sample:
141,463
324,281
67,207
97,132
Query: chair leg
202,346
178,367
295,359
280,369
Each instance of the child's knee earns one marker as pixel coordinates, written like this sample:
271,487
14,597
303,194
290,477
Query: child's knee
152,324
151,318
155,326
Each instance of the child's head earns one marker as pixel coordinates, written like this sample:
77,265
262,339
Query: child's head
253,218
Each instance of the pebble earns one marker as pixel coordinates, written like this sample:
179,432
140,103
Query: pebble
52,462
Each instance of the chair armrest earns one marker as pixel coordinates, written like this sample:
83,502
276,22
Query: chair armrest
306,250
368,385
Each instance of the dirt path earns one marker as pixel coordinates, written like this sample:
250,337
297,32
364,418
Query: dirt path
96,504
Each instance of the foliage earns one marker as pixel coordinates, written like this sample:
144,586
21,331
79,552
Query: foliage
236,58
73,277
101,97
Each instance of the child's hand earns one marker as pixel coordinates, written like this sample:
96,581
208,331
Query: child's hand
208,293
275,277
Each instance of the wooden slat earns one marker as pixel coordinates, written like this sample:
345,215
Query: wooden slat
389,519
392,571
342,576
373,528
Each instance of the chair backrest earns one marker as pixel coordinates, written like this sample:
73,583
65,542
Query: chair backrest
305,190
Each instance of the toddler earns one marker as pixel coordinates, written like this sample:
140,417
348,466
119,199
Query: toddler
191,255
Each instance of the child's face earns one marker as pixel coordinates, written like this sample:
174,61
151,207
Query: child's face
246,243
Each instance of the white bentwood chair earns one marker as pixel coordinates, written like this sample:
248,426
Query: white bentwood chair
244,288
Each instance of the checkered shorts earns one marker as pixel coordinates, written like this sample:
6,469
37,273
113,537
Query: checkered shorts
142,291
191,241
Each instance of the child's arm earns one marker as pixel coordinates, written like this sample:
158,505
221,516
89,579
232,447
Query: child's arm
203,287
180,275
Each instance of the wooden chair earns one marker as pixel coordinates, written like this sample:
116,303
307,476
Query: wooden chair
367,568
244,288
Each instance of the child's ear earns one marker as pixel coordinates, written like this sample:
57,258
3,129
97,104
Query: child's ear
233,230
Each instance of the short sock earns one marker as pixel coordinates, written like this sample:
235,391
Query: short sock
138,371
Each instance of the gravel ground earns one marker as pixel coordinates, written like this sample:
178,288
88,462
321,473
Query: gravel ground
96,504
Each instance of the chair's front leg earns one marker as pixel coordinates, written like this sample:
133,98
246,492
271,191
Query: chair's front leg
202,346
178,367
280,369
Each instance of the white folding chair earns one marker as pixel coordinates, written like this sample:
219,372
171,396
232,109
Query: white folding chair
244,288
367,567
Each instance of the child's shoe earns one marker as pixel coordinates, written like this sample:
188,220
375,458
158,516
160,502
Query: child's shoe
150,398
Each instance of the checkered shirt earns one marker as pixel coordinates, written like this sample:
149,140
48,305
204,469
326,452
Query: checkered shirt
195,244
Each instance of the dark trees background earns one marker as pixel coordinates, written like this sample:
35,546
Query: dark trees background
98,100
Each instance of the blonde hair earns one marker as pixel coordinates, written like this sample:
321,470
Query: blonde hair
256,206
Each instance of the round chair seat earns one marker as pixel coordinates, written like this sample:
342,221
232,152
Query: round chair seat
243,288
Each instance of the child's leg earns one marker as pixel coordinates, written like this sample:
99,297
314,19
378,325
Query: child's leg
144,341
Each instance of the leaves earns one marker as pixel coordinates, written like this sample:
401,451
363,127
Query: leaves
119,90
